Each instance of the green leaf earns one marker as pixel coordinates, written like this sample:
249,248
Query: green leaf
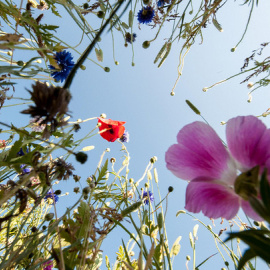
29,63
248,255
257,240
85,214
103,171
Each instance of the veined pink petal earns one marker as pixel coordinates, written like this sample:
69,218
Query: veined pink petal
248,141
249,211
200,152
214,199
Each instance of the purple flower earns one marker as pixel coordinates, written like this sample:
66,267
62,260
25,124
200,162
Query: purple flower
147,195
146,15
213,170
125,137
48,265
49,197
65,63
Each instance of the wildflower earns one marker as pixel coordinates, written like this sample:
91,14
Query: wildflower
125,137
49,197
130,38
111,130
64,63
2,144
146,15
50,104
147,195
24,169
43,5
48,265
201,158
35,124
62,169
21,152
161,3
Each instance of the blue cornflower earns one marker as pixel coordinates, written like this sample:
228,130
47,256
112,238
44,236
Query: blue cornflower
49,197
128,37
146,196
65,63
125,137
21,153
161,3
24,169
146,15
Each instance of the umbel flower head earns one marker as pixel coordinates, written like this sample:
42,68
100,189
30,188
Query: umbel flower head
51,103
111,130
146,15
65,64
215,186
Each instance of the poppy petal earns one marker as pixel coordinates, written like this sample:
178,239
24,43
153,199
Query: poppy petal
111,130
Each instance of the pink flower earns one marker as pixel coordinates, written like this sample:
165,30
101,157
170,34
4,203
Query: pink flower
201,158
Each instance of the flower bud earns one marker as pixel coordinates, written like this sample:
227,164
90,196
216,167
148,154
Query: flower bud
49,216
170,189
81,157
76,190
153,159
57,192
188,258
250,85
103,115
112,160
107,69
20,63
76,178
86,190
100,14
146,44
233,49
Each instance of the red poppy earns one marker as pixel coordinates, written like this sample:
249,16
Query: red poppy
111,130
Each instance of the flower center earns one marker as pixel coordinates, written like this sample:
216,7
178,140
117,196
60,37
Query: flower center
247,183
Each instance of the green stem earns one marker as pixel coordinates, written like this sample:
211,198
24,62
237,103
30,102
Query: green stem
89,49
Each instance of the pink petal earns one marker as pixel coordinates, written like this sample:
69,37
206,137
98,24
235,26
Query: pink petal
249,211
248,141
214,199
199,152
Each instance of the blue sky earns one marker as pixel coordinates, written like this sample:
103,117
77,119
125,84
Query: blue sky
140,95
